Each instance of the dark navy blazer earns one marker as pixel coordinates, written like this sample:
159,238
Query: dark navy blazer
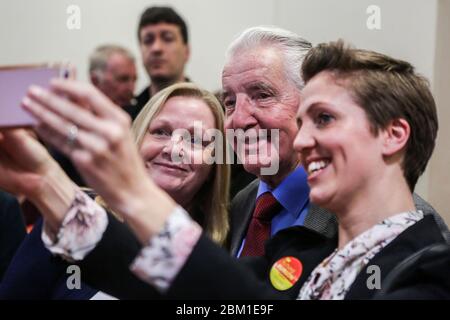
34,273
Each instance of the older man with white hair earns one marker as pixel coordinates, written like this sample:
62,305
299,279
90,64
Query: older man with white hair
261,94
112,70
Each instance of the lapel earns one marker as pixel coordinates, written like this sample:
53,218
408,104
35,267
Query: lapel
427,209
306,245
243,205
242,208
418,236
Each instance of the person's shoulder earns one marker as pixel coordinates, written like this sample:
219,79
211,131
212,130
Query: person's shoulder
422,205
143,97
249,191
4,196
6,200
10,213
421,275
301,237
428,209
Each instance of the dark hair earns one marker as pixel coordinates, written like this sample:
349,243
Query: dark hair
387,89
155,15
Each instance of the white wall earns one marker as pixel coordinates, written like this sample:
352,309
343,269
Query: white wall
35,31
407,31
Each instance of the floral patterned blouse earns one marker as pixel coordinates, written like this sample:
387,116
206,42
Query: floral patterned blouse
157,264
332,278
166,253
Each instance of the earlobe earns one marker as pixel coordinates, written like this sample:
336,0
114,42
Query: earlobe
396,136
94,79
188,53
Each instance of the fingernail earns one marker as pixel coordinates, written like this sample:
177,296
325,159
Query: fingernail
26,101
35,90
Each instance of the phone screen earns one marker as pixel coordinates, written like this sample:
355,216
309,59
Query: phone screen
14,84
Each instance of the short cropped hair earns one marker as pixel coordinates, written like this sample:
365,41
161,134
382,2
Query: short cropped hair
155,15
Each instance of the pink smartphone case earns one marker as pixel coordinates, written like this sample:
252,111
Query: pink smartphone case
14,84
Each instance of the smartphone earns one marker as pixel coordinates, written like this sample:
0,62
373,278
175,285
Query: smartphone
14,84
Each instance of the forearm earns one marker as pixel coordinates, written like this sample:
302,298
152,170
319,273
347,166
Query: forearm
54,197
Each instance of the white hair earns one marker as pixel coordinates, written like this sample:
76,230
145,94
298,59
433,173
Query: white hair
293,47
99,58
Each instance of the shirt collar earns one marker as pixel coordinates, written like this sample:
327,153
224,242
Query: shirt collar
292,193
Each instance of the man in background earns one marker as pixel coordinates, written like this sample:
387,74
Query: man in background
112,70
163,41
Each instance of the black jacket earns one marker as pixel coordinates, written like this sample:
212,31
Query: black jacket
12,229
210,273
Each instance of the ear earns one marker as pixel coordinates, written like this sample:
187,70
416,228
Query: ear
187,53
94,79
396,135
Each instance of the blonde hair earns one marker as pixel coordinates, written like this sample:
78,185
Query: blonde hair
213,197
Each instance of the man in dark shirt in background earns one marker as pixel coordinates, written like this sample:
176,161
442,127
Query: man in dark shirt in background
163,41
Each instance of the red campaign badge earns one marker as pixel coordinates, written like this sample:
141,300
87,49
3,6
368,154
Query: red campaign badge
285,273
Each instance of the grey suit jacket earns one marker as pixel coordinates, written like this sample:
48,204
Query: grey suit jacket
242,208
426,208
318,219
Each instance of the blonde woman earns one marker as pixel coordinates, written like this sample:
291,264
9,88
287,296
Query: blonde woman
200,188
173,138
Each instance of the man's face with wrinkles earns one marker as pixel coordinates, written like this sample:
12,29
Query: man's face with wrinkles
258,95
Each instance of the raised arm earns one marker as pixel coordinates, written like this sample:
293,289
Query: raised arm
26,168
101,147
